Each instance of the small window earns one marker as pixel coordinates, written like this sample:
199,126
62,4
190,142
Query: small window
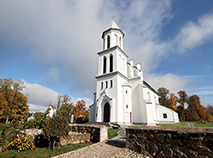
111,84
126,91
164,115
102,85
106,84
127,106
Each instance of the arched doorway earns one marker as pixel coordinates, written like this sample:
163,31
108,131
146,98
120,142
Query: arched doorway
106,112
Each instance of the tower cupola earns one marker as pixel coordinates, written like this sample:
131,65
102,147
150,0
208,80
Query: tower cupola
112,36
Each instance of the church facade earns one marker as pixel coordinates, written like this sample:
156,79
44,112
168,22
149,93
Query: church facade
122,96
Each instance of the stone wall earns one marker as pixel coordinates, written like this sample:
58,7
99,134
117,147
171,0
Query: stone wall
74,138
165,142
31,133
79,133
97,133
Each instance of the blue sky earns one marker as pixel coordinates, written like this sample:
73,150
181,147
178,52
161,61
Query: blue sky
52,45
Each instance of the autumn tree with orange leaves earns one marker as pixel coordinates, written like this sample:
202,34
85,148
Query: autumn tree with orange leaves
166,99
13,103
188,108
173,100
196,110
80,111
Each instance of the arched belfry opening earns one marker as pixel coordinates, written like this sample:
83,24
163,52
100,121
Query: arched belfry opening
111,63
106,112
108,41
104,65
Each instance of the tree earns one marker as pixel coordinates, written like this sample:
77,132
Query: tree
55,128
196,110
166,99
80,111
13,103
210,109
173,102
182,100
163,96
64,107
209,113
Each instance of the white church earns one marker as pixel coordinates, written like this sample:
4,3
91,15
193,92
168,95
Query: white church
122,96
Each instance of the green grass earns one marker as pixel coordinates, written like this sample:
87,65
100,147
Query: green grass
41,152
197,124
182,124
112,133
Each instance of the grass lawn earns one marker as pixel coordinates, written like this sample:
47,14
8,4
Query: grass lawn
42,152
196,124
182,124
112,133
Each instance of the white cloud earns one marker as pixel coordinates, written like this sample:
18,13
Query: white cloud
170,81
193,34
40,97
63,37
37,108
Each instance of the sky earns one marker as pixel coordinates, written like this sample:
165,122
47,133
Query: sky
52,45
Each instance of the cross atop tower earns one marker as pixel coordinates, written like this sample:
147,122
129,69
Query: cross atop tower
112,18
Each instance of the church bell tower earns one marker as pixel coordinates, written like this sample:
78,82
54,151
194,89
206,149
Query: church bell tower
112,36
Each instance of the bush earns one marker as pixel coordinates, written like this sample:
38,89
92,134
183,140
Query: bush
38,121
55,128
7,134
20,143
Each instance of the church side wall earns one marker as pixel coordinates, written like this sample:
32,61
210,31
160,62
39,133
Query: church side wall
151,101
120,100
166,115
127,104
138,104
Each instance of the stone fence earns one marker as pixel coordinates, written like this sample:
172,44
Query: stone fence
79,133
180,142
97,133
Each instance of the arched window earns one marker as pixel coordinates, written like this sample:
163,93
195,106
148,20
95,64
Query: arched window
111,84
120,41
111,63
116,38
108,41
104,65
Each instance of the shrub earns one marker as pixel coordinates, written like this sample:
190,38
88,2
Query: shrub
20,143
7,134
38,121
55,128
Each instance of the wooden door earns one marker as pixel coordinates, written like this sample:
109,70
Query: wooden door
106,112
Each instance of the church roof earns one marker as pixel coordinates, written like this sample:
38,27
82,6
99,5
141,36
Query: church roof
112,25
145,83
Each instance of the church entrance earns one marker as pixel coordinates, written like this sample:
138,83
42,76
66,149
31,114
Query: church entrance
106,112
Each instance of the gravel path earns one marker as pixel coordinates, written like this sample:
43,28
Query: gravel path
100,150
114,148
